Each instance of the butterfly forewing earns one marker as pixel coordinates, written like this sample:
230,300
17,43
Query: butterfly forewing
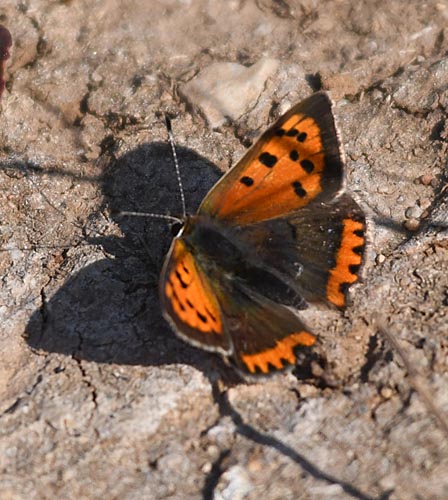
296,161
189,302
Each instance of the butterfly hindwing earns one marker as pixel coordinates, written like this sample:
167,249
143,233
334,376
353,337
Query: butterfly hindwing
296,161
266,336
319,247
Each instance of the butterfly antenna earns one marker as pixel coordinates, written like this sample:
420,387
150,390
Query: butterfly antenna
171,218
176,164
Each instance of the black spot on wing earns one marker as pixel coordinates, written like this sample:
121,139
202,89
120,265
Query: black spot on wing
292,132
210,314
179,277
201,317
267,159
294,155
179,303
307,165
298,189
247,181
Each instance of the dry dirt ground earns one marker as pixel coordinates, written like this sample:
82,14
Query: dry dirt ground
99,399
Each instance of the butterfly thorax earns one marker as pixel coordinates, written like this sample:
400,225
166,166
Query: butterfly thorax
209,241
225,250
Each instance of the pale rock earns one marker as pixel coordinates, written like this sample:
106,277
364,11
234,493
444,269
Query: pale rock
227,90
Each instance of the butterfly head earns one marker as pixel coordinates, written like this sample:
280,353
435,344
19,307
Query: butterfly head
177,227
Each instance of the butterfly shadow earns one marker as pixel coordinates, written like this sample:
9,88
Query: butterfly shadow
109,311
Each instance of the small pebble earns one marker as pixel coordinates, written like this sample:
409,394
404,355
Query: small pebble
386,392
207,467
413,212
213,450
425,179
255,465
424,203
412,224
383,189
388,483
380,258
316,369
308,391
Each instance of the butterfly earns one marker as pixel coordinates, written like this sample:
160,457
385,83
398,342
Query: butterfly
275,232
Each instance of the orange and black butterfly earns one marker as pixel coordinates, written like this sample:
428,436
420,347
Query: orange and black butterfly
275,232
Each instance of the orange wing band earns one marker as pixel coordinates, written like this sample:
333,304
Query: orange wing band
348,262
190,296
275,357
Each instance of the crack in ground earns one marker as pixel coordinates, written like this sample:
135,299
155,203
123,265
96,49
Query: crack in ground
376,351
88,384
84,376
